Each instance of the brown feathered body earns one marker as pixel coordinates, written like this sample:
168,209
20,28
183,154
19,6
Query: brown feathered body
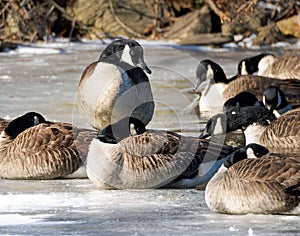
287,67
45,151
153,159
258,84
283,132
261,186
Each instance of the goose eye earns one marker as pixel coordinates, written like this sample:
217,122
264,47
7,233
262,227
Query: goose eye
132,53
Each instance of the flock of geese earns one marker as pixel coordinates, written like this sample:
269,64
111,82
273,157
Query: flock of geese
115,97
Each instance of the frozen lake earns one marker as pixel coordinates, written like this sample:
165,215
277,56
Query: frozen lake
45,80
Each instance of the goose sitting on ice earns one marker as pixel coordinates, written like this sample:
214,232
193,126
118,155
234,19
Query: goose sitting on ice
270,65
253,181
259,125
33,148
127,156
216,89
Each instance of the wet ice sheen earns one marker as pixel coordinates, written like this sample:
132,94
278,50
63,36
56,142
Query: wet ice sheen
47,82
76,207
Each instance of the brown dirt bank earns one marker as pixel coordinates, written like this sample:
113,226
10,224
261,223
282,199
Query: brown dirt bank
185,21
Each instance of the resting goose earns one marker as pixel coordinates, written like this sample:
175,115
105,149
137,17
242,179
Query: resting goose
275,100
252,181
242,99
249,65
116,86
33,148
259,126
127,156
269,65
216,89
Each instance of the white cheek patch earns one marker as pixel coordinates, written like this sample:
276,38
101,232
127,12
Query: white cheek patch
132,129
210,73
250,153
36,121
218,128
126,57
244,70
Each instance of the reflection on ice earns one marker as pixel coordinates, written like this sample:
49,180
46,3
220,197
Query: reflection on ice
17,219
5,77
76,207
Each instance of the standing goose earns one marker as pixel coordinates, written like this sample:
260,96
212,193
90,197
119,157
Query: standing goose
275,100
268,65
259,126
252,181
116,86
33,148
216,89
127,156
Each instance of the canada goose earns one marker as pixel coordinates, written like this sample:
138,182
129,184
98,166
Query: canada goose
249,65
266,184
217,89
116,86
259,126
127,156
269,65
33,148
275,100
242,99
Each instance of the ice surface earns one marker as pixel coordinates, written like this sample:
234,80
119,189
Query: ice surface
46,81
75,207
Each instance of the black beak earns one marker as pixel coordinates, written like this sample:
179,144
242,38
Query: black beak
143,65
204,134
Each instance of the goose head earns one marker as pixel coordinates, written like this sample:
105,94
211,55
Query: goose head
207,74
215,125
275,100
242,99
125,50
24,122
250,65
120,130
252,150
